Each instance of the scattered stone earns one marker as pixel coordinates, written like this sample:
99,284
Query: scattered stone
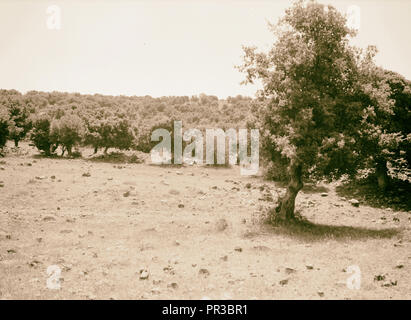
49,218
379,277
324,194
354,202
283,282
11,251
169,269
290,270
390,283
224,258
126,194
66,231
34,263
41,177
144,274
86,174
309,267
181,205
320,293
238,249
248,185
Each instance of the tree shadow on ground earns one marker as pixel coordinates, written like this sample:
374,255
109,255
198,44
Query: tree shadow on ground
312,188
115,157
309,231
397,195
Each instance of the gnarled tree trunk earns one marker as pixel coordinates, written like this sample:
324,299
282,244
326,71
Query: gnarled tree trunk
382,176
285,208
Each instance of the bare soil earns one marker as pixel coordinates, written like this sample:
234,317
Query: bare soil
137,231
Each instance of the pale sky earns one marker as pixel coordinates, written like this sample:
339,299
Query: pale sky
163,48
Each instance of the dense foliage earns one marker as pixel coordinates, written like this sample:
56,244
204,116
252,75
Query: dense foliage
325,110
63,120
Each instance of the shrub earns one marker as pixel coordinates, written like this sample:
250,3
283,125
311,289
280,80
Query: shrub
67,132
4,126
40,135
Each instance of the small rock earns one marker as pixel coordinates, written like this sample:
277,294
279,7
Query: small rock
324,194
379,277
290,270
181,205
224,258
86,174
283,282
354,202
172,285
49,218
309,267
320,293
238,249
204,272
144,274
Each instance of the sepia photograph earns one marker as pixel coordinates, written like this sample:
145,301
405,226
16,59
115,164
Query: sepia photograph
204,150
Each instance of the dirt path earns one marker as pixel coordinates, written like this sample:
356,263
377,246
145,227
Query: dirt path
196,232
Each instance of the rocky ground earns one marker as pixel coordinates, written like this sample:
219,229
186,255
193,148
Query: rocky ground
137,231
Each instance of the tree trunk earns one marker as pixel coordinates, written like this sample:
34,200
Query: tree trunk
105,150
285,209
69,150
95,150
382,176
16,143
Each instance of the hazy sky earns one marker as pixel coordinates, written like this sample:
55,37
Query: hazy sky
162,48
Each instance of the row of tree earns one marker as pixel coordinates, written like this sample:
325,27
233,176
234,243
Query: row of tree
57,120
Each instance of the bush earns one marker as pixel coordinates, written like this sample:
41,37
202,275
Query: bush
40,135
67,132
4,126
109,133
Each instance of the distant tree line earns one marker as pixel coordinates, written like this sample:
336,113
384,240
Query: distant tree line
61,121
